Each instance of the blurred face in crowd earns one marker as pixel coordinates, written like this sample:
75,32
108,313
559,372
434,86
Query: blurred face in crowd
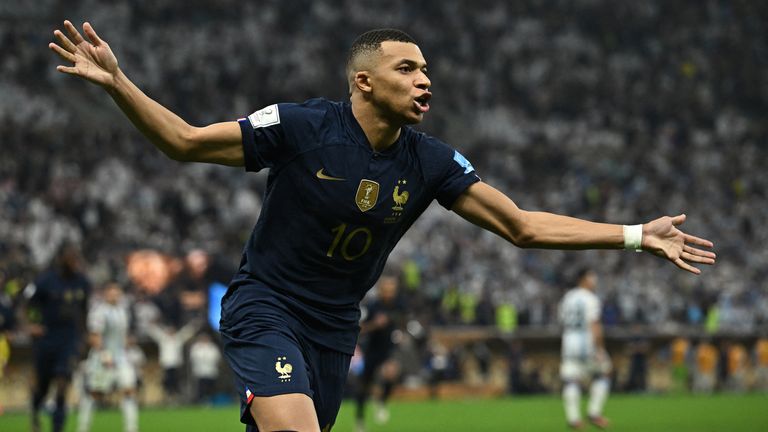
112,293
589,280
197,263
69,260
394,80
387,289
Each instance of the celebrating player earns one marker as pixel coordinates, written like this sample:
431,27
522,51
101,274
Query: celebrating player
108,365
583,352
346,181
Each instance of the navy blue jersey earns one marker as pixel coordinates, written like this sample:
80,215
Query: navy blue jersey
60,304
334,209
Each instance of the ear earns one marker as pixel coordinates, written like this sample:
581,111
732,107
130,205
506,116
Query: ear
363,81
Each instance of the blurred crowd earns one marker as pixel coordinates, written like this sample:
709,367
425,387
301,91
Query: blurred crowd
614,111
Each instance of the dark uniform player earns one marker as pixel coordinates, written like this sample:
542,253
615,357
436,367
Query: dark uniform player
57,307
383,318
346,181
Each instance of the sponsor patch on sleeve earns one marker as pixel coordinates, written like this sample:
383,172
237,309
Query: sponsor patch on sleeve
463,162
264,117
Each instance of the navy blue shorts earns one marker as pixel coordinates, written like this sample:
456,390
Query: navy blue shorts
56,358
269,357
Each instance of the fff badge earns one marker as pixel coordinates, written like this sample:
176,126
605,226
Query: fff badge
367,194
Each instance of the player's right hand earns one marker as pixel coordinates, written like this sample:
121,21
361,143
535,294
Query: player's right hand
92,59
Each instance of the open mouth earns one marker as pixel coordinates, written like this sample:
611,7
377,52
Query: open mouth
422,102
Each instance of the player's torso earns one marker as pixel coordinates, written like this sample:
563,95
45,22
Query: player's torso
577,307
339,209
115,331
63,302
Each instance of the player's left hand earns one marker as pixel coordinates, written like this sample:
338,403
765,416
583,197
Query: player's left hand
662,238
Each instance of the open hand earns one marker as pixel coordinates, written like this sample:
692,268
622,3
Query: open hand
92,59
662,238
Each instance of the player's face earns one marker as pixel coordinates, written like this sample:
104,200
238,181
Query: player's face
399,82
112,294
387,289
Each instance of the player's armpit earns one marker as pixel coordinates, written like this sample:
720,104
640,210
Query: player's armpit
219,143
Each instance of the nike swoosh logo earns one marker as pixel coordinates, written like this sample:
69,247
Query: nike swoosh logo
323,176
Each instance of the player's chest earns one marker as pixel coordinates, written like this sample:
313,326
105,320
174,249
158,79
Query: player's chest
360,186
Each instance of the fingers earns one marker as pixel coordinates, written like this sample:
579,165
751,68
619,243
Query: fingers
91,34
64,54
698,241
73,34
687,267
64,41
678,220
699,252
697,258
72,70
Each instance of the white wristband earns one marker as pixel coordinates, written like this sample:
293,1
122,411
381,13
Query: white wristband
633,237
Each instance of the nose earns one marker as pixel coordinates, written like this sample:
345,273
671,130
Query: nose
422,81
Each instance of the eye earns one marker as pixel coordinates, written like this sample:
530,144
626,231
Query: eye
404,68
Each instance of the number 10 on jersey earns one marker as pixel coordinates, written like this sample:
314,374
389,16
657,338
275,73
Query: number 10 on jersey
340,233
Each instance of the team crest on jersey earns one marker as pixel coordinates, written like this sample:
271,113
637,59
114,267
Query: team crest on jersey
283,369
367,194
400,197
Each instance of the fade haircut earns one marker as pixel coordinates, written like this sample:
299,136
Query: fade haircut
368,43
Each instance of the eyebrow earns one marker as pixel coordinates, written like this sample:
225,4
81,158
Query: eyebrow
412,63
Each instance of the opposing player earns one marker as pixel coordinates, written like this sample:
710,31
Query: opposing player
57,304
347,180
583,353
108,367
382,319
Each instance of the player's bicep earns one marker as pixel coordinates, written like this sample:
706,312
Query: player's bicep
486,207
218,143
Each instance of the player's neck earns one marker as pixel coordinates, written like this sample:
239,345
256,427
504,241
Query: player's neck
381,132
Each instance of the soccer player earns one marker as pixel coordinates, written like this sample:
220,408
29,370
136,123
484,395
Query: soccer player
346,181
57,303
382,319
108,366
583,352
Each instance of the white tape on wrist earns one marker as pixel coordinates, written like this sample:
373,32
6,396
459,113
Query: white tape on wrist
633,237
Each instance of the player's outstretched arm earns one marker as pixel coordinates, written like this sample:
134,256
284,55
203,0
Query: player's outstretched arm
93,60
488,208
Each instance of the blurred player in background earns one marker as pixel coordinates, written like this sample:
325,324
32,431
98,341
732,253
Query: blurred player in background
583,352
7,325
383,318
346,181
705,373
204,358
57,304
680,348
761,363
108,367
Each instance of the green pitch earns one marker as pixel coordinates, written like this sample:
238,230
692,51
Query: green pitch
730,413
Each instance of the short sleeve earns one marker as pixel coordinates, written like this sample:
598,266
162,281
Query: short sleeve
458,175
274,134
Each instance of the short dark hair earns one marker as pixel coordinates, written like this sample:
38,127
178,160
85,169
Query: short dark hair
582,272
371,41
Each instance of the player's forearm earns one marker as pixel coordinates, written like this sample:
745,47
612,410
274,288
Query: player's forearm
552,231
597,335
167,131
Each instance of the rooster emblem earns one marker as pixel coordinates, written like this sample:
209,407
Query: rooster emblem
400,198
283,370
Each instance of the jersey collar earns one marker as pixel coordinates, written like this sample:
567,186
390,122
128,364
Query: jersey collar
357,133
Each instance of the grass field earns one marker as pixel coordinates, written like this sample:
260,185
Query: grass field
731,413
